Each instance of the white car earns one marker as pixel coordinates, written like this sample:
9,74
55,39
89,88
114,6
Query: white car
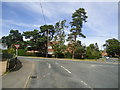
107,57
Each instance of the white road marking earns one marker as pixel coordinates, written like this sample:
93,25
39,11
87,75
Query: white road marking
86,85
66,69
46,75
56,63
93,65
82,81
49,66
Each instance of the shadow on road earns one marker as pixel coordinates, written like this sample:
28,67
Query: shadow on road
17,67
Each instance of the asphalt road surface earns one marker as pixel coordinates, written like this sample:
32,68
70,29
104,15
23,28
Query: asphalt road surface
49,73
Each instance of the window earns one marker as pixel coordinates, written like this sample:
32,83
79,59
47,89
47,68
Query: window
49,47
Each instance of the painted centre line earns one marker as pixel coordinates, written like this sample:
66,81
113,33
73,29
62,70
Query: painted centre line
49,66
66,69
46,75
86,85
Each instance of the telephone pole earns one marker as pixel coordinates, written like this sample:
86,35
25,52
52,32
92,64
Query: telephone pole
47,42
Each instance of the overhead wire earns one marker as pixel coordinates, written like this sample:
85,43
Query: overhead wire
42,12
48,29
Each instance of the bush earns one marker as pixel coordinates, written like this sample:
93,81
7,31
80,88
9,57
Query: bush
11,51
12,63
21,52
40,54
4,51
68,55
93,55
6,56
59,55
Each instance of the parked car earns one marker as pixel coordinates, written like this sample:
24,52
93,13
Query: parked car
107,57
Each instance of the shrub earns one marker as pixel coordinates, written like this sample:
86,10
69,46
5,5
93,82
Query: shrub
21,52
6,56
11,51
68,55
59,54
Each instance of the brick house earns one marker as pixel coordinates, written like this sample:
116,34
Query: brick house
104,53
50,49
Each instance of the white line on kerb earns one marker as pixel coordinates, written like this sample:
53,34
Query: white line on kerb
66,69
49,66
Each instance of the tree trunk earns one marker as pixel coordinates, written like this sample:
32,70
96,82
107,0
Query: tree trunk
73,53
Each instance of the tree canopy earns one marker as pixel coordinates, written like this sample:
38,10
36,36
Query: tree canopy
112,47
13,38
78,18
92,51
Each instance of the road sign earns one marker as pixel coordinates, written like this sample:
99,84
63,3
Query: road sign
17,46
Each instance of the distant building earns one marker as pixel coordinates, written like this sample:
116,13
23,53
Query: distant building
50,49
69,49
3,46
104,53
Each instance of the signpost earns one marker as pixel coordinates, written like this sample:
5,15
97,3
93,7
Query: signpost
17,46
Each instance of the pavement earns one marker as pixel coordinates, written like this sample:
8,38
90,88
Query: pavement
51,73
3,66
19,78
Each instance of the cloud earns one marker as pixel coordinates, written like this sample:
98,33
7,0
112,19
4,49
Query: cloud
102,17
60,0
6,23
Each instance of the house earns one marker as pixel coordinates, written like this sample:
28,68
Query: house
3,46
104,53
69,49
50,49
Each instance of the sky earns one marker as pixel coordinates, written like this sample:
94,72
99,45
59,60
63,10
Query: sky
102,22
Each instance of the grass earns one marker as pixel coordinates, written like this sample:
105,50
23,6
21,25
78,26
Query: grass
5,73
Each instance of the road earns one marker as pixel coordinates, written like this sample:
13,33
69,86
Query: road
49,73
18,78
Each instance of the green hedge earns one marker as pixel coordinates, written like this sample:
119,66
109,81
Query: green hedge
68,55
6,56
21,52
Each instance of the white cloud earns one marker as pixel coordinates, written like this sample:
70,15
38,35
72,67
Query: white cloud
102,17
60,0
6,23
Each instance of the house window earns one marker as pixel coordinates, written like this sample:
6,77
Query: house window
49,47
50,52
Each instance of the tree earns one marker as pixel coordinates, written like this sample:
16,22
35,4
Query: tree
78,18
33,36
60,31
38,38
59,37
47,30
79,50
59,50
47,33
93,52
13,38
112,47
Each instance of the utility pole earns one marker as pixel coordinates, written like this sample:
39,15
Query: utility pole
47,42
